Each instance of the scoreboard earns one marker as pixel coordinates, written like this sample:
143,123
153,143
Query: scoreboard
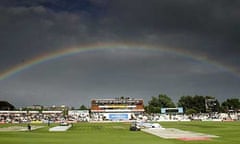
172,110
117,105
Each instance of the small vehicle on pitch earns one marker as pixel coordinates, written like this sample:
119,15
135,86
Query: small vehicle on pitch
134,127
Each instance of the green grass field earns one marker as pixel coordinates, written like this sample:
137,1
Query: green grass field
118,133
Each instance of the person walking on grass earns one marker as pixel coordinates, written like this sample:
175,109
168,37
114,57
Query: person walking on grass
29,127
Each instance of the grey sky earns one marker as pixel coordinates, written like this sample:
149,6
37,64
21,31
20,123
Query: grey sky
202,28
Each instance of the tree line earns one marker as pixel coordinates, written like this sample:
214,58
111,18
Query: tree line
192,104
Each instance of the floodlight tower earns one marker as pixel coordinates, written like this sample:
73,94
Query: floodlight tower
210,105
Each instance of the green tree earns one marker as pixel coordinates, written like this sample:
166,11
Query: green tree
158,102
190,111
231,104
165,101
197,103
153,105
186,102
83,107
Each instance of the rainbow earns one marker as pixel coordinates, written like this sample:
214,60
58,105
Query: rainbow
84,48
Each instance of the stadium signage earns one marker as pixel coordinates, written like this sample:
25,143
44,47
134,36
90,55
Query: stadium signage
120,116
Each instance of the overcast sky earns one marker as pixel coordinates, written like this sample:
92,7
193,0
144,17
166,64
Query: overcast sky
196,49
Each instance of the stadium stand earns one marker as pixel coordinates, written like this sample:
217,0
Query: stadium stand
116,109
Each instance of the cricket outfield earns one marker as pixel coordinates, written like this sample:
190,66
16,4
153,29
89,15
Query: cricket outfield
118,133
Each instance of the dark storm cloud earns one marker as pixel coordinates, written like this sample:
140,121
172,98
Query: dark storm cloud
199,26
204,26
29,31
